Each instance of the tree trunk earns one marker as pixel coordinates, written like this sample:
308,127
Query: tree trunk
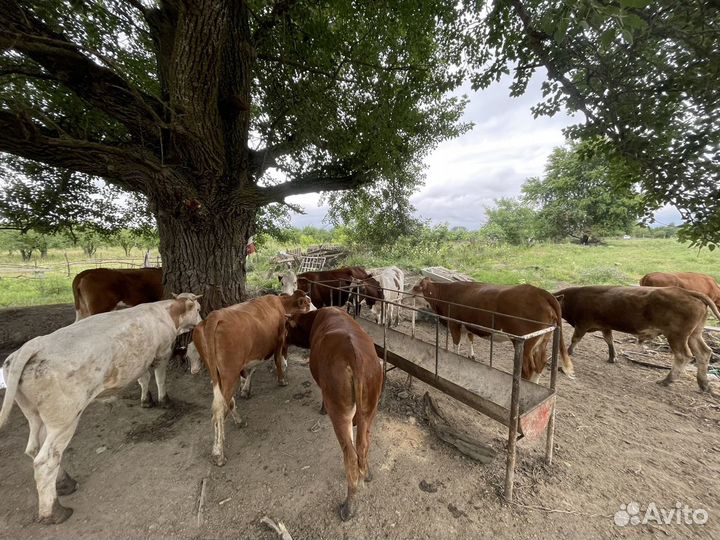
206,256
26,254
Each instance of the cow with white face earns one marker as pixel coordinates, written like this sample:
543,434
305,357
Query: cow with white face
288,282
392,283
53,378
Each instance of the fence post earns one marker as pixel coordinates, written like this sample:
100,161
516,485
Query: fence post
67,261
514,417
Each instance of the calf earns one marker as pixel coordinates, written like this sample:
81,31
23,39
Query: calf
239,338
391,281
646,312
344,364
691,281
101,289
53,378
475,303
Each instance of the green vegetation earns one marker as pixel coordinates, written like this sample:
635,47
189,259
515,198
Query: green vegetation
546,265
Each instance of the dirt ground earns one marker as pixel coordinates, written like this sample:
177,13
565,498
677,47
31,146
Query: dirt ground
620,438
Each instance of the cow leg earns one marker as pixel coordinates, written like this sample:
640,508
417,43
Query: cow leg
681,357
160,373
219,411
607,335
235,416
470,338
146,399
281,367
37,427
343,426
47,467
576,337
246,390
702,354
455,332
364,423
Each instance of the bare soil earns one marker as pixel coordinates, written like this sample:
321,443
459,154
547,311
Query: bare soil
619,438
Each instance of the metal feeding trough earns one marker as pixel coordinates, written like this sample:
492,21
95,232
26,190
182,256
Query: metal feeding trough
484,388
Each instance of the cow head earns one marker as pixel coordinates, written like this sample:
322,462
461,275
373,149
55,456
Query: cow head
288,282
299,326
372,292
193,356
185,311
423,290
297,302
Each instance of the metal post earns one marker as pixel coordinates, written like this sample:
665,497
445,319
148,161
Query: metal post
514,416
437,345
492,338
550,433
447,335
412,332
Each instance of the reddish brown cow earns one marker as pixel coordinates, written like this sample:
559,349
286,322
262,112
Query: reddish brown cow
646,312
101,289
692,281
462,300
239,338
344,364
343,278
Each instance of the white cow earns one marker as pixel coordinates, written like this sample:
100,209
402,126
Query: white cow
53,378
392,280
288,281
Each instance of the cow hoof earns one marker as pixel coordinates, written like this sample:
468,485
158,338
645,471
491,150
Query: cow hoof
66,485
165,403
147,403
612,361
59,514
705,388
219,460
569,374
369,476
322,409
282,382
664,382
346,511
244,394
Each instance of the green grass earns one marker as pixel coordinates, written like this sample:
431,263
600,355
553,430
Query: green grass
550,266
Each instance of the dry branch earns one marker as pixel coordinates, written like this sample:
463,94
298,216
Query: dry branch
465,444
278,527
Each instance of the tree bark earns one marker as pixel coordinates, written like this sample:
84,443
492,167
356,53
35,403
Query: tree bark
206,255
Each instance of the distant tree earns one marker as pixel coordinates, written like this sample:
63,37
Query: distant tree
581,195
512,221
642,74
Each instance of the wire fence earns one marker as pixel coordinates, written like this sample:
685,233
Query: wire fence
69,268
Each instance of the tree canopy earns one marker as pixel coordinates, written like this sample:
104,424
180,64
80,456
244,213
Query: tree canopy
644,76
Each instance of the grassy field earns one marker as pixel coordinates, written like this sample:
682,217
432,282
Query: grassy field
546,265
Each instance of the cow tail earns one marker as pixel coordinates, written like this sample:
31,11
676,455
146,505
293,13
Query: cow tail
568,368
704,298
16,364
209,336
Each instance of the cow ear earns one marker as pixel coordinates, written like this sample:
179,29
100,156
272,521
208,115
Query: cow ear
174,295
559,297
199,296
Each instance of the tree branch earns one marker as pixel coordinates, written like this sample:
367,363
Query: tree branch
126,167
279,10
20,30
261,160
313,183
535,40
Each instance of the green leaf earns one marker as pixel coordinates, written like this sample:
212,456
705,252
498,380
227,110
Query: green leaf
638,4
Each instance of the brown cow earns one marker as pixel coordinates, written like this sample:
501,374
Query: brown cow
238,338
101,289
344,364
646,312
339,278
523,301
692,281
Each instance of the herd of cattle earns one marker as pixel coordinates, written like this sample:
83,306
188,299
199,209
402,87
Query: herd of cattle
53,378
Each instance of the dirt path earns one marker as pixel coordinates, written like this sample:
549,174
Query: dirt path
620,438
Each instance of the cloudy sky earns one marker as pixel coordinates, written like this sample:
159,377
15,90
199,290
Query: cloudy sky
464,175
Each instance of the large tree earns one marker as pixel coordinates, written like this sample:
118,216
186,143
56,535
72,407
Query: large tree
191,102
644,74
